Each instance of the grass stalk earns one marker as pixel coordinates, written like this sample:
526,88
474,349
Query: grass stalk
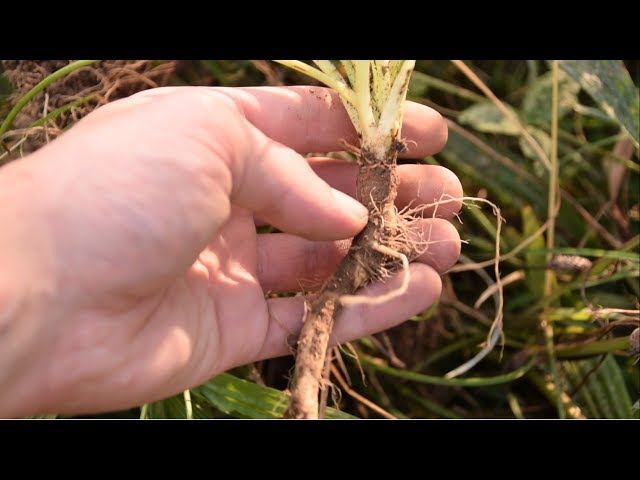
547,328
44,83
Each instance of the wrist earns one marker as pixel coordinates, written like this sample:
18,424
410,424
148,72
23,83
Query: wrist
25,293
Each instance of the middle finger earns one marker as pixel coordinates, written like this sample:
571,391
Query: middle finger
290,263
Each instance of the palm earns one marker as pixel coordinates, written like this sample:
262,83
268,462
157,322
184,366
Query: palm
224,283
212,317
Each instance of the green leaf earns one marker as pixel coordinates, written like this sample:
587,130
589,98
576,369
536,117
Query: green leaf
508,186
536,106
174,407
545,143
591,349
486,117
610,85
59,111
242,398
604,394
594,113
421,82
471,162
44,83
418,85
535,261
460,382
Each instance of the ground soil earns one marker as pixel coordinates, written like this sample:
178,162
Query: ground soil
105,81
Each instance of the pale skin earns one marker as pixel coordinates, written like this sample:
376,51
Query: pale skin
131,267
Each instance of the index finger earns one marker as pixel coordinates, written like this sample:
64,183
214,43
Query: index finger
313,119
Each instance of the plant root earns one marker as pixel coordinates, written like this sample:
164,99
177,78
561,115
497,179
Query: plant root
401,290
380,249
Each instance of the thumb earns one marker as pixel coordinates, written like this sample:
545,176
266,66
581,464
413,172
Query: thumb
279,186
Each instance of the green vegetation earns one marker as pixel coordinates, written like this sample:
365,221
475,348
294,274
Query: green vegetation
555,146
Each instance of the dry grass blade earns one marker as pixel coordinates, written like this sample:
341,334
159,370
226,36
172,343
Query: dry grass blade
356,396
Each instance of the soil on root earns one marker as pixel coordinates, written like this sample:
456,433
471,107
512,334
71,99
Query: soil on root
376,189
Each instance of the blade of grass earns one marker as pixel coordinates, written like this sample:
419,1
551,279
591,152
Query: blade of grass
454,382
448,350
48,80
514,404
59,111
549,279
233,395
444,86
546,386
594,147
610,376
428,404
187,404
338,85
584,397
591,349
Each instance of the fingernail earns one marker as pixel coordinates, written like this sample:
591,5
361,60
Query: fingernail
350,205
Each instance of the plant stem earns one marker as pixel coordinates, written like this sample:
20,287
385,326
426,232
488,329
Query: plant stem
550,390
458,382
188,405
6,125
372,255
547,328
338,85
376,189
594,348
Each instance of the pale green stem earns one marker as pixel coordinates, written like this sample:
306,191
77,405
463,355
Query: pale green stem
394,67
338,86
514,404
363,100
59,111
188,405
346,94
64,71
594,348
549,274
458,382
329,68
379,89
350,70
387,79
391,115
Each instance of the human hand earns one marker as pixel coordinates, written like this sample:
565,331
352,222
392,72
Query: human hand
145,273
